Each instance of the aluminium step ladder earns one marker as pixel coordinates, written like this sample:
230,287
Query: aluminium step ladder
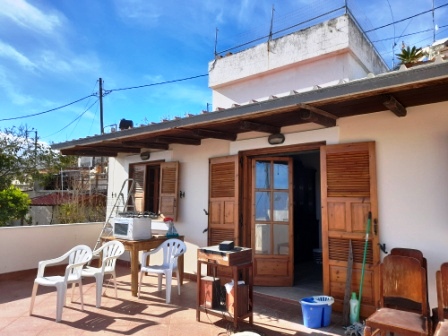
107,229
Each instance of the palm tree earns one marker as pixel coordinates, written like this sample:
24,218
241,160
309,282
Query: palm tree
410,55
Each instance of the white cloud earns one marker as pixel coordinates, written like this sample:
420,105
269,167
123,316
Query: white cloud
11,91
139,11
9,52
30,17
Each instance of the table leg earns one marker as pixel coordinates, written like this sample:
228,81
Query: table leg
180,268
235,297
251,295
134,271
198,292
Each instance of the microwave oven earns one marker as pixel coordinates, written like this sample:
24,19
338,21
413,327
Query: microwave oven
132,228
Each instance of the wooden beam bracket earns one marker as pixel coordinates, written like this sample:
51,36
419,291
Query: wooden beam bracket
395,106
178,140
207,133
258,127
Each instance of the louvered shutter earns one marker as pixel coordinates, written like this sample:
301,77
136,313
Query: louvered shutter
349,192
223,202
137,173
223,205
169,184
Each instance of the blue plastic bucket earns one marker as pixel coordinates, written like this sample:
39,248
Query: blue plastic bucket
316,311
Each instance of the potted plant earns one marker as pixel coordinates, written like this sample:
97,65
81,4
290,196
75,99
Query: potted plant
410,56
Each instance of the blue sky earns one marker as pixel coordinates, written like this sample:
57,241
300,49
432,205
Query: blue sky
52,53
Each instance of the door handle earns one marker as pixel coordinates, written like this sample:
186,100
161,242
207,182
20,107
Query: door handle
375,226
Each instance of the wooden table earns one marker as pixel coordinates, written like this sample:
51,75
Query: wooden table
135,246
238,259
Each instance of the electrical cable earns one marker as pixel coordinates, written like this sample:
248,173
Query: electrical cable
106,92
409,17
410,34
86,108
51,110
154,84
63,128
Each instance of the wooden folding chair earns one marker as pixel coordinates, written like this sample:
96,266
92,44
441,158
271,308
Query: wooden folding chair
441,312
400,303
405,278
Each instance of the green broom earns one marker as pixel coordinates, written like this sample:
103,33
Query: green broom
369,220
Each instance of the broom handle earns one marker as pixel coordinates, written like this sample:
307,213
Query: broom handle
369,220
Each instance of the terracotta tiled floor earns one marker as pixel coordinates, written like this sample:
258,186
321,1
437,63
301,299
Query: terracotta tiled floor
128,315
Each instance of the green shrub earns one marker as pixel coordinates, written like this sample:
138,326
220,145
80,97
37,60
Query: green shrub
13,205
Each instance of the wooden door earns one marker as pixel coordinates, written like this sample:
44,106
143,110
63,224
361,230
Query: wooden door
349,193
272,222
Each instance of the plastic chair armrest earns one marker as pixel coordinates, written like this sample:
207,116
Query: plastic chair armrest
147,253
45,263
98,250
71,266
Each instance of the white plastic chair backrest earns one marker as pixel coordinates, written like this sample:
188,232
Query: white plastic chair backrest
172,248
78,256
111,251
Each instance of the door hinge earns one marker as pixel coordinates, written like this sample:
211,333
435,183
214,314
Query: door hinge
375,226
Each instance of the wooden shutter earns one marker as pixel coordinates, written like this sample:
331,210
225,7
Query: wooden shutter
223,200
169,185
137,173
349,192
223,205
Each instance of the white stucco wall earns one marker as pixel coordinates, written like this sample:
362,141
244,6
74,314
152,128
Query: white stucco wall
329,69
23,247
193,180
331,51
412,169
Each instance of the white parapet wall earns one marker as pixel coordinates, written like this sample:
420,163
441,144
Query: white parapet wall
23,247
334,50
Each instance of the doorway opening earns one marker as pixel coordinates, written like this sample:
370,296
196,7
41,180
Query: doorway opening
307,222
307,237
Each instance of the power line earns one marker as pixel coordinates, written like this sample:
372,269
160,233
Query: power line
154,84
77,118
53,109
409,17
106,92
391,38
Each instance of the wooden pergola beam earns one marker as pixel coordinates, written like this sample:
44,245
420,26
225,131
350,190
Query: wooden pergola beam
258,127
395,106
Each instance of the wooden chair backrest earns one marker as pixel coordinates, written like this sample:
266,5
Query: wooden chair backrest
442,290
404,277
408,252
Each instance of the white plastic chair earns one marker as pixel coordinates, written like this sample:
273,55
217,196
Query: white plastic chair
172,249
77,257
109,254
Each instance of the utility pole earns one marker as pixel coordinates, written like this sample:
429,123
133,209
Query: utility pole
35,142
101,104
100,81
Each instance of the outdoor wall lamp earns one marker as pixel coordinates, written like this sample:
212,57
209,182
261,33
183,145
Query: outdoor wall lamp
145,155
276,139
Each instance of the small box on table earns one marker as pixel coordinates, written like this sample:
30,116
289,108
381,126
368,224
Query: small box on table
243,300
210,290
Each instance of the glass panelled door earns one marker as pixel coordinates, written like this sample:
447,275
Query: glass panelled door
272,221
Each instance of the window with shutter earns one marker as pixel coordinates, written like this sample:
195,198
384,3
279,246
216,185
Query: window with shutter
156,187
